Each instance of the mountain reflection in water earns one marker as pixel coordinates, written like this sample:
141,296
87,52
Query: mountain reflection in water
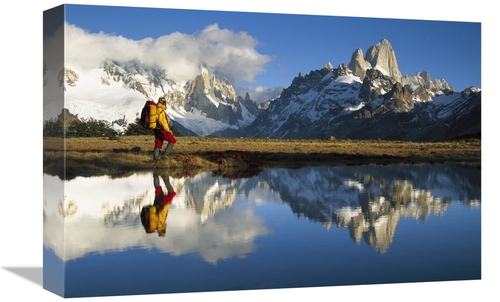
219,218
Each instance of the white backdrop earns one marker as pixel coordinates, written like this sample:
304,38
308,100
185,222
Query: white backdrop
22,152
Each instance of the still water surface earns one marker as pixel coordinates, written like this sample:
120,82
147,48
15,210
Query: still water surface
309,227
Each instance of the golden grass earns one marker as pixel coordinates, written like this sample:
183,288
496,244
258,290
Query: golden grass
237,156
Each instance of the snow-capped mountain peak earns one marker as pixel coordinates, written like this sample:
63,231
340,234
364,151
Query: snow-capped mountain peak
116,91
365,99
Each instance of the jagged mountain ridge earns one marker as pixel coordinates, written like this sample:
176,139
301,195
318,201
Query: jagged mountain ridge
116,92
369,99
366,99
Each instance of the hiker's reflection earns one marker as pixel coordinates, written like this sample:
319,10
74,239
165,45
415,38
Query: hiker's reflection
153,217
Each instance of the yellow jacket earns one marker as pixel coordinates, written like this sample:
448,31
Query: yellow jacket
157,220
160,119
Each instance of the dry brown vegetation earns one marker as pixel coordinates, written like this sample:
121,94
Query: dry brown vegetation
237,157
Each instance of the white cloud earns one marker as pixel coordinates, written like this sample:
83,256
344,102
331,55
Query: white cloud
226,53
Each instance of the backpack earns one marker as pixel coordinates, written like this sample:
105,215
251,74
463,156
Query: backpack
145,218
147,111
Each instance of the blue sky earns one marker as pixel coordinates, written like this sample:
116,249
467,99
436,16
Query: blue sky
289,44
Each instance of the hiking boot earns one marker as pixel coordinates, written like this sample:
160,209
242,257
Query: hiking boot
168,148
156,154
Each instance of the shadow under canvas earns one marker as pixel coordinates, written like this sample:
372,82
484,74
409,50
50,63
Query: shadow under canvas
33,274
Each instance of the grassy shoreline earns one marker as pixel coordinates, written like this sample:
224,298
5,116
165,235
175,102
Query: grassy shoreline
240,157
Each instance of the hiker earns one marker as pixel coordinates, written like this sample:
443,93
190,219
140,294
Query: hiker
154,217
162,131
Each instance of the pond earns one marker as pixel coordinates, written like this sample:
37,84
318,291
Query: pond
284,228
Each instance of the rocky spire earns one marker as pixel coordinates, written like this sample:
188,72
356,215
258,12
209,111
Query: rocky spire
382,57
358,65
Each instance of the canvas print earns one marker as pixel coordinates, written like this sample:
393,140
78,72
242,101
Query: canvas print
224,151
